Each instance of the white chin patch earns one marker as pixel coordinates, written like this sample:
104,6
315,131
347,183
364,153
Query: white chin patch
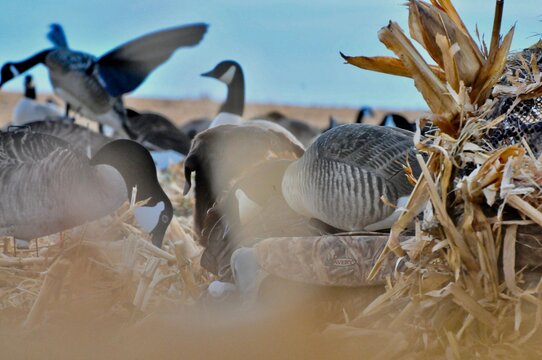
14,70
228,75
147,217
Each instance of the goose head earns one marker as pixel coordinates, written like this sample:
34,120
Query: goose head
230,73
135,165
8,72
226,71
11,70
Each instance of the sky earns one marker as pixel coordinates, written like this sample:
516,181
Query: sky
289,50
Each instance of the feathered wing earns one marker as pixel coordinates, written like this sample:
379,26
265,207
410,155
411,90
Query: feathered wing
46,186
84,140
378,150
126,67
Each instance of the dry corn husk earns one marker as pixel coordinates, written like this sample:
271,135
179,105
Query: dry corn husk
462,292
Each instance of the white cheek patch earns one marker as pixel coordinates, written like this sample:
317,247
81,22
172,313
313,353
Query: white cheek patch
147,217
14,70
247,208
227,77
389,121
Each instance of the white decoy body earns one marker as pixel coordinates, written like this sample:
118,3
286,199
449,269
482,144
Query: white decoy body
47,186
94,86
342,176
29,109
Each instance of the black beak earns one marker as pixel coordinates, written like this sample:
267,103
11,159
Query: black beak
208,74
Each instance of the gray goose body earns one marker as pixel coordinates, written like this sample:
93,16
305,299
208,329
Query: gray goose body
341,177
47,186
84,140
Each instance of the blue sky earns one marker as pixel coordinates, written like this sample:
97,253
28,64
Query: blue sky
289,50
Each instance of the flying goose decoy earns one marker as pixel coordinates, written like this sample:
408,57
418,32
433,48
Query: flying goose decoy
47,186
29,109
343,175
94,86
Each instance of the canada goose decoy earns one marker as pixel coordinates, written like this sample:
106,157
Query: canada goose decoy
28,109
47,186
194,127
301,130
88,142
94,86
343,175
155,132
218,156
230,73
399,121
362,114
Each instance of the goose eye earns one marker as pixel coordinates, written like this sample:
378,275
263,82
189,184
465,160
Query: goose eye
164,218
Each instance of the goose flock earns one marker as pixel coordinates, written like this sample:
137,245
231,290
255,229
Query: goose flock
252,178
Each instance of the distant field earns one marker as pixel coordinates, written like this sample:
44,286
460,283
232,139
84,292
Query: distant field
180,111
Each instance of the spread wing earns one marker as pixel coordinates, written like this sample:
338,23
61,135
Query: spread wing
126,67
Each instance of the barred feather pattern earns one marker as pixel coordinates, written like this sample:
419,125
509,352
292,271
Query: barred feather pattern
84,140
341,177
46,186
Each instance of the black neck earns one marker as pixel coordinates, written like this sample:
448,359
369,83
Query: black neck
30,92
32,61
235,101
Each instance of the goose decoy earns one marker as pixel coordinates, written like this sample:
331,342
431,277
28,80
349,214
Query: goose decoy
83,139
230,73
29,109
362,114
94,86
301,130
194,127
231,112
155,132
164,140
218,156
47,186
398,121
343,175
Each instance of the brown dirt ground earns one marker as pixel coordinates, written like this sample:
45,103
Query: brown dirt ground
180,111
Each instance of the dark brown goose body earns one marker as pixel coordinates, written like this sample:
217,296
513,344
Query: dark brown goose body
155,132
343,175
